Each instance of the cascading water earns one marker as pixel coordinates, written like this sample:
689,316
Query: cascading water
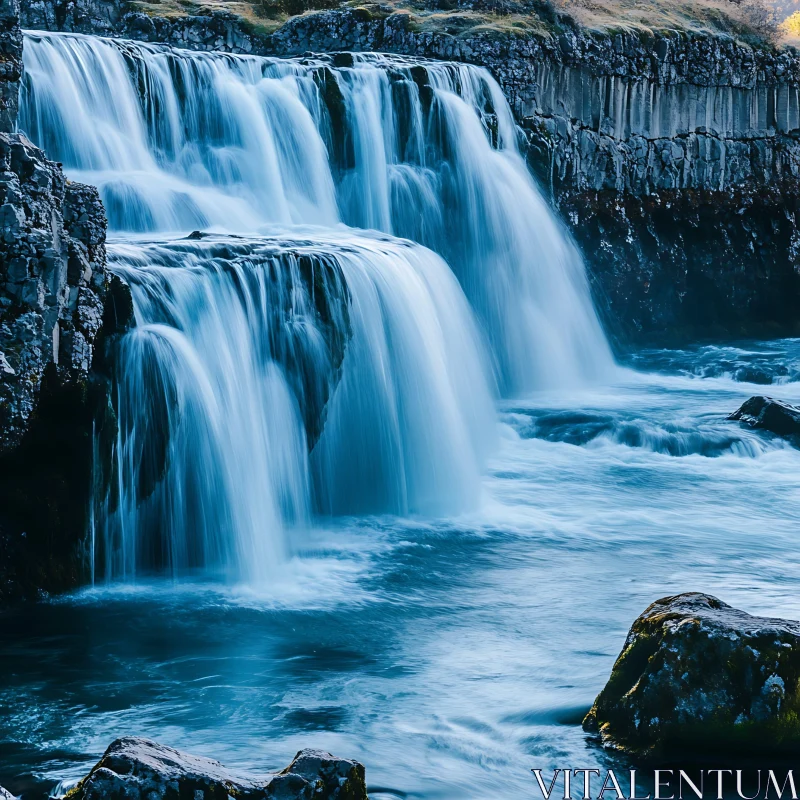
235,360
249,351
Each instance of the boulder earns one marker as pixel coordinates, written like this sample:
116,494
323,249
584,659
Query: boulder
766,413
696,674
139,769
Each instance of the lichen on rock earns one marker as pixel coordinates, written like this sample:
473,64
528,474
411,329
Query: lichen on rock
695,673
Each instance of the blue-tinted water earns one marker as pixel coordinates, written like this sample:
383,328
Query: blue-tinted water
450,656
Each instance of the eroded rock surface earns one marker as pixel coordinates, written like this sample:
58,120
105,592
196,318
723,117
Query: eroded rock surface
697,673
53,288
137,768
52,278
766,413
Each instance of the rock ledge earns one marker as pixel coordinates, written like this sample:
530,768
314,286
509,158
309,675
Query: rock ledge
765,413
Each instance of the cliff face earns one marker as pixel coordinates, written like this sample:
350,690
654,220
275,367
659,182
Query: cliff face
674,157
53,286
679,178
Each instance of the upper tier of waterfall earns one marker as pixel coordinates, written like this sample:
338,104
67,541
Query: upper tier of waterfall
179,140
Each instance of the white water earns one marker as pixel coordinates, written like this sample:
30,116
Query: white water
226,336
213,464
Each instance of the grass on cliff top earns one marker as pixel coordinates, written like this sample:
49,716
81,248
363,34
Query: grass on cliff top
743,19
754,21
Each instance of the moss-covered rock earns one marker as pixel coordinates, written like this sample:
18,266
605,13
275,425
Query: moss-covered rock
697,674
136,768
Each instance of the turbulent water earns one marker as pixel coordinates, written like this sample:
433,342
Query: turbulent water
379,486
450,656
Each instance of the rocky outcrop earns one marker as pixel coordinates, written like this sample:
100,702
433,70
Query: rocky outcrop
765,413
138,768
53,291
53,279
688,264
10,63
674,157
696,673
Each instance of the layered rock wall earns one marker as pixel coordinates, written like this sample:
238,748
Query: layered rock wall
52,274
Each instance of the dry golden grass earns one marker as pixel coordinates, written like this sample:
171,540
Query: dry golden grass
750,20
741,18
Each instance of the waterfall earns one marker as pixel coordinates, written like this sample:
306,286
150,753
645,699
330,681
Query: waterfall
380,264
242,349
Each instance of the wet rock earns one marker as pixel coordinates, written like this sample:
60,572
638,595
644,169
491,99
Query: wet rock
765,413
697,674
661,263
10,63
138,768
53,286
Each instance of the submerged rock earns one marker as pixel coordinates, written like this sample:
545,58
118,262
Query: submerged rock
768,414
139,768
697,673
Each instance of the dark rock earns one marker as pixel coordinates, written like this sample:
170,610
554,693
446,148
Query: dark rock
138,768
53,285
697,674
10,64
197,235
662,265
765,413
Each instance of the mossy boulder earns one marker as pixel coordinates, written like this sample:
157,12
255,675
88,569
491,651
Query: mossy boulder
139,769
697,675
765,413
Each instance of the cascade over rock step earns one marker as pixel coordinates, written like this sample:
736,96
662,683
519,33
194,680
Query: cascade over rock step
697,675
135,768
766,413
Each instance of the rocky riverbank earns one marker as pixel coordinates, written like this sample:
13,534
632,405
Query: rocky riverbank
137,768
53,312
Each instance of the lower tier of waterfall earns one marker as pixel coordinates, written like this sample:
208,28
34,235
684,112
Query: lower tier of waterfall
266,379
